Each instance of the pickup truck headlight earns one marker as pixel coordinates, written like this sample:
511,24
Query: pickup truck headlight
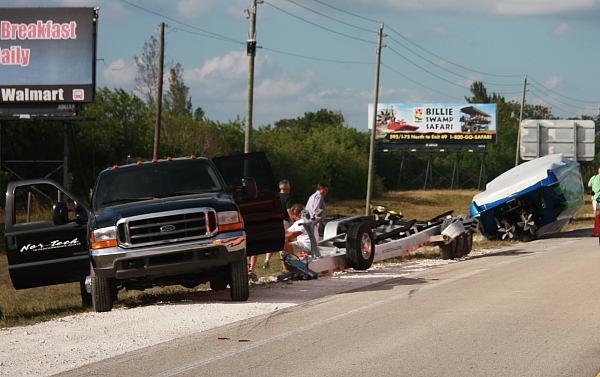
229,220
104,237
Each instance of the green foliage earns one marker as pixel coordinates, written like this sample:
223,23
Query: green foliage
177,100
322,118
311,149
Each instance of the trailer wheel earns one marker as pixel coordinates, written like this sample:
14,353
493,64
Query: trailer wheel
468,243
238,281
102,293
458,247
446,251
360,246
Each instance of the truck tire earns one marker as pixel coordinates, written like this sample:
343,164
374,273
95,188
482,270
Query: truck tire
240,287
360,246
102,293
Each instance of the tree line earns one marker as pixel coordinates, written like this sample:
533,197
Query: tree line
317,146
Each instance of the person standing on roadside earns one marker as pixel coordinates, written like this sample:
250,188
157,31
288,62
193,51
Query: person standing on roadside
594,184
286,205
317,202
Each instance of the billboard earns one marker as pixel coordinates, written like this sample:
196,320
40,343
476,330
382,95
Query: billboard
47,55
437,123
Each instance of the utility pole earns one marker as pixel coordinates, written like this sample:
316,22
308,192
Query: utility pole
520,120
251,52
374,121
161,63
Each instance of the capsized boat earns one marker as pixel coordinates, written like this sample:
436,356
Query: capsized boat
538,197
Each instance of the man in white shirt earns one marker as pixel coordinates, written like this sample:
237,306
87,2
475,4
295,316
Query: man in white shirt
317,202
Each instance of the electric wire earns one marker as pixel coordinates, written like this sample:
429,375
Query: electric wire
550,107
552,99
449,70
426,70
562,95
207,33
347,12
317,25
327,60
449,61
418,83
331,18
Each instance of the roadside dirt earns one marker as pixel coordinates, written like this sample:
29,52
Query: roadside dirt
62,344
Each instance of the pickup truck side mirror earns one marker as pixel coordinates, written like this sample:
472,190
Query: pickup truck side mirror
60,213
81,215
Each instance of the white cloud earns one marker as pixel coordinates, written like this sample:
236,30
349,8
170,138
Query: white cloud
120,73
234,65
563,29
284,87
552,82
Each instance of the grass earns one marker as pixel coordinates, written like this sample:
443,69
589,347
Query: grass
22,307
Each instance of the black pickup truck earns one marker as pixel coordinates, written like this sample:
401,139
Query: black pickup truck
181,221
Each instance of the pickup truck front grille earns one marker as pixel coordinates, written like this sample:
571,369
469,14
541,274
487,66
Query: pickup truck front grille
166,227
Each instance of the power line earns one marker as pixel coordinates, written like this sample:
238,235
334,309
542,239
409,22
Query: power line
554,100
414,43
418,83
331,18
317,59
347,12
449,70
207,32
451,62
205,35
562,95
426,70
318,25
550,106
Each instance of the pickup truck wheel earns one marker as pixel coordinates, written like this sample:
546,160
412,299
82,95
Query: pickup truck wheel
360,246
86,298
240,287
102,293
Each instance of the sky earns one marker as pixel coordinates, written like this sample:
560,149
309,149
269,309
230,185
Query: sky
317,54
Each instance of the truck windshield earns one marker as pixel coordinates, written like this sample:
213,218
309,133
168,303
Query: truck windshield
151,181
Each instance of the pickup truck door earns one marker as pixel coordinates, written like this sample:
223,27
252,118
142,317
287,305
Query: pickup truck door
263,216
43,246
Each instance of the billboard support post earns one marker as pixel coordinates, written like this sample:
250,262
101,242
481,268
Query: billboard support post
482,173
398,184
454,171
374,130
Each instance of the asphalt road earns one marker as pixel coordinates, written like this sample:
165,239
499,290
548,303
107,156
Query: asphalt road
531,310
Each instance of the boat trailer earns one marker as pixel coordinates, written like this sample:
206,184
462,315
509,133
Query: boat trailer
359,241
